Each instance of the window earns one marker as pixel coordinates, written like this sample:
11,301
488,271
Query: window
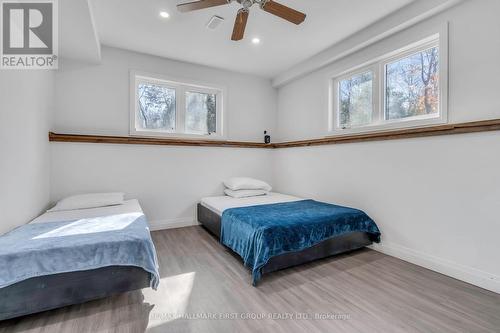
404,89
412,85
156,107
201,112
161,107
356,100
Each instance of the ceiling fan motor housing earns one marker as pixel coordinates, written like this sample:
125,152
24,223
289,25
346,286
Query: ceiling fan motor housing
246,3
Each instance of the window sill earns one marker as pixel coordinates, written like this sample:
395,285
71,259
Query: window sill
394,125
177,136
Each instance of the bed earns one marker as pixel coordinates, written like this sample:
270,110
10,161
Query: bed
277,231
70,257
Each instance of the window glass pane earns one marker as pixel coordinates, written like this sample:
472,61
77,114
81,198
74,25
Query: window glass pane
201,113
156,107
412,85
356,100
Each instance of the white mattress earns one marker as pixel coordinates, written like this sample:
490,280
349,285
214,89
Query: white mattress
129,206
220,204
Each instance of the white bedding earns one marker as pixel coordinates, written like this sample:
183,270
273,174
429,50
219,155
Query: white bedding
128,206
220,204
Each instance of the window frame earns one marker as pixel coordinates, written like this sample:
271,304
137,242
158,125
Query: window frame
378,67
181,86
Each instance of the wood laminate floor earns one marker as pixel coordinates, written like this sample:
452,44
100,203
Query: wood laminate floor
205,288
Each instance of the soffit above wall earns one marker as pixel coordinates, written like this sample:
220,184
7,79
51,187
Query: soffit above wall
77,32
397,21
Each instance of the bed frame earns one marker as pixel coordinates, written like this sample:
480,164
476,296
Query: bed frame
54,291
336,245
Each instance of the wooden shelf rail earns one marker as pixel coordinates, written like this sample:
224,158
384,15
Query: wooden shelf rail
133,140
448,129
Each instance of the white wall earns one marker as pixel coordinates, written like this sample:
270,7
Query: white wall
167,180
26,99
95,98
436,199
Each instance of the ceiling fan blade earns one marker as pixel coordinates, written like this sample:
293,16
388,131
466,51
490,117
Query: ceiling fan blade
202,4
284,12
240,25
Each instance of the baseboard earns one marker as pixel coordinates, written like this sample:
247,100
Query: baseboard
172,223
458,271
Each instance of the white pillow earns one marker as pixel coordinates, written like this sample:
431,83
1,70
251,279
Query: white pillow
244,183
90,200
244,193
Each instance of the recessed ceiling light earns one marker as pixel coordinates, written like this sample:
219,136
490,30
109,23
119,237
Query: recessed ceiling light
256,40
164,14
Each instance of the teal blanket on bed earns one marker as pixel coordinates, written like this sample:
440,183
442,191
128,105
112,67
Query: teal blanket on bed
258,233
60,247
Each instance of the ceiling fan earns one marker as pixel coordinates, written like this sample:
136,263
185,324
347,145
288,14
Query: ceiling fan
269,6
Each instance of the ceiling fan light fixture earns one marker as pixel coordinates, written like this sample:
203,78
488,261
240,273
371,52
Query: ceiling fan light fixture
247,3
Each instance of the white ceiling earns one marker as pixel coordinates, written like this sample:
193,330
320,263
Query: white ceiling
136,25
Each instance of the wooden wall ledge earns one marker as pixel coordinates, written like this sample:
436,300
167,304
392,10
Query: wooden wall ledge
134,140
448,129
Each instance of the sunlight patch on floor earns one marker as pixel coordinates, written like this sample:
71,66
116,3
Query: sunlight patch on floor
171,299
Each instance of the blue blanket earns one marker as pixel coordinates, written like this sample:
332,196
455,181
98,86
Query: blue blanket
259,233
61,247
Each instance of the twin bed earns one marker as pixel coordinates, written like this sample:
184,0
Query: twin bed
70,257
277,231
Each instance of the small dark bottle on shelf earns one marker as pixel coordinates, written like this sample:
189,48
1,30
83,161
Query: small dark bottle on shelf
267,137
